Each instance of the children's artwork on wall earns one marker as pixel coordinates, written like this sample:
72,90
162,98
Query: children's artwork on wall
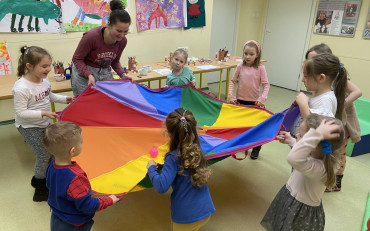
196,15
337,17
156,14
5,62
83,15
30,16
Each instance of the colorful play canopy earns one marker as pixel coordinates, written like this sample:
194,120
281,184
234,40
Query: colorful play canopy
122,121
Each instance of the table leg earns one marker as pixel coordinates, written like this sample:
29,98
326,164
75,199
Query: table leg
227,84
149,84
200,80
160,83
220,84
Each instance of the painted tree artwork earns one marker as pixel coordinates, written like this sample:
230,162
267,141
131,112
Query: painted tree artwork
5,62
30,16
83,15
159,14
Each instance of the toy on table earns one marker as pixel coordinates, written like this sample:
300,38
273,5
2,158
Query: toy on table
68,72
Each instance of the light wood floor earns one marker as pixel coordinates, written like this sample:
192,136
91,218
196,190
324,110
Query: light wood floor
241,190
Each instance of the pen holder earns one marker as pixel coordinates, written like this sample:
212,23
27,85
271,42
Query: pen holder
221,55
59,70
131,65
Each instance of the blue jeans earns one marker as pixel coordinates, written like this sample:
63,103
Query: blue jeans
56,224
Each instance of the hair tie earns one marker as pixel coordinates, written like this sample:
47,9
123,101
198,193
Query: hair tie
26,49
326,147
183,119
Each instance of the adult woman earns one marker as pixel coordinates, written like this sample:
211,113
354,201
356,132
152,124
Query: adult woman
100,50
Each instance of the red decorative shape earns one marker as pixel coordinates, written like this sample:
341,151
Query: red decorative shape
157,15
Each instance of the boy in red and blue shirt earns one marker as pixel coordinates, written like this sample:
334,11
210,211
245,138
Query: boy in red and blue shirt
69,188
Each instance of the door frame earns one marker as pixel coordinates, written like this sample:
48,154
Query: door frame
308,35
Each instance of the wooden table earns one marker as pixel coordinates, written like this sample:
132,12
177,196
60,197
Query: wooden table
151,76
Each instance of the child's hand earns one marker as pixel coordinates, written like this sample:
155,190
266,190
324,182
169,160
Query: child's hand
329,130
285,137
234,102
70,99
259,104
91,80
114,198
50,114
150,163
301,99
192,82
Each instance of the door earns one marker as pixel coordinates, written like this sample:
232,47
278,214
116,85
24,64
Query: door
286,36
225,16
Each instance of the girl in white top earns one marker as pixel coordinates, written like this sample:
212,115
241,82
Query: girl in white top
315,159
319,74
32,97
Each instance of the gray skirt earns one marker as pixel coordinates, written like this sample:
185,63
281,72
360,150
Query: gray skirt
79,82
286,213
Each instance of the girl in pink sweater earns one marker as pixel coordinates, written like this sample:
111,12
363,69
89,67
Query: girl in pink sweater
250,74
315,159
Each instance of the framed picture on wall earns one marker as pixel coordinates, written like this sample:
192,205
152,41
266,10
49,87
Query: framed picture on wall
337,17
367,26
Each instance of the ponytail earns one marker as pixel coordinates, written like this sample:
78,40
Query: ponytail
21,64
182,129
340,86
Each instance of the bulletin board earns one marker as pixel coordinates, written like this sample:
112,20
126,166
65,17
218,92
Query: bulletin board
367,26
337,17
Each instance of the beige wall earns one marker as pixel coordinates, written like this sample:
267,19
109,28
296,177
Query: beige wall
251,22
353,52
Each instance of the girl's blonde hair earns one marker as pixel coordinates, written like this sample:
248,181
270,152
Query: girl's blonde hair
329,65
331,161
182,130
32,55
183,52
255,45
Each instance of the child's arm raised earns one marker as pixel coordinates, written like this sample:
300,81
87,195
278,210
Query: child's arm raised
302,101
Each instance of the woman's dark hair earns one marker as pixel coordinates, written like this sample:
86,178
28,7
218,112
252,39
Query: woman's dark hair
319,49
118,13
31,55
330,65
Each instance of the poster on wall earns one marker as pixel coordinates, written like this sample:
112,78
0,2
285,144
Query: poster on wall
196,16
337,17
5,62
83,15
159,14
30,16
367,25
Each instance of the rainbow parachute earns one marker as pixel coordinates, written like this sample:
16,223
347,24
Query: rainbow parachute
122,121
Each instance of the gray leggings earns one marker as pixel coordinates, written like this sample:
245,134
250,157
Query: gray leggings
79,82
33,137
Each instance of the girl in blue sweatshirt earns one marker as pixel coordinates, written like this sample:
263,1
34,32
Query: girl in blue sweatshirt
185,169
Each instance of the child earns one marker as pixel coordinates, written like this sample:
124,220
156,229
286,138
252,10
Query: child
70,191
314,158
319,74
180,75
349,118
251,74
185,169
32,96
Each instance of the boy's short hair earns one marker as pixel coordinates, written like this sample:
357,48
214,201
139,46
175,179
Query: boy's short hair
60,137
